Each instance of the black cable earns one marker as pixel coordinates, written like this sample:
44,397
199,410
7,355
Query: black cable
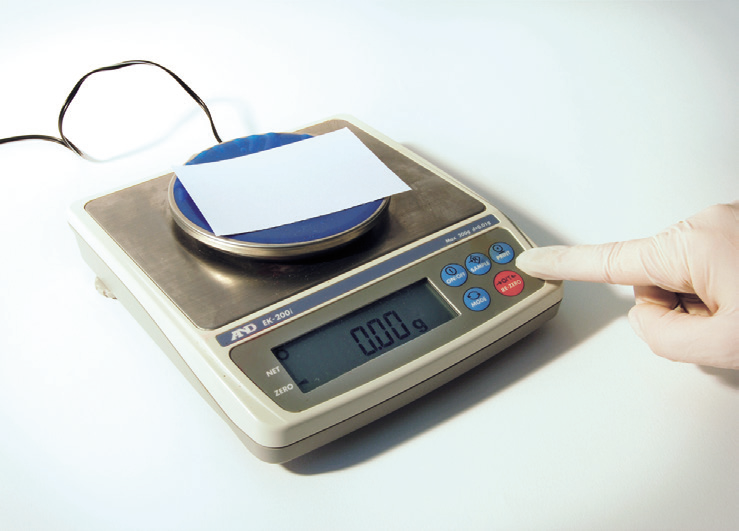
32,137
64,141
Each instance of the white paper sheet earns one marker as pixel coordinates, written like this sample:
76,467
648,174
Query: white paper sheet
305,179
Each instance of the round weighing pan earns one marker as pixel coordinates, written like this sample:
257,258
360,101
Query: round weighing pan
292,241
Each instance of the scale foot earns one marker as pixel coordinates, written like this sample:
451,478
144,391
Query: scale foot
103,290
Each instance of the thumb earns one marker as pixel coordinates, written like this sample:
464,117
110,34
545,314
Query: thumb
678,336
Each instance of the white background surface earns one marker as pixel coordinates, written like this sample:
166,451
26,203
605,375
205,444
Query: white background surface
585,122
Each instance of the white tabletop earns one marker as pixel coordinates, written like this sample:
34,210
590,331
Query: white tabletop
584,122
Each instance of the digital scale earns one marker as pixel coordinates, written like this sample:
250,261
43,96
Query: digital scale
301,334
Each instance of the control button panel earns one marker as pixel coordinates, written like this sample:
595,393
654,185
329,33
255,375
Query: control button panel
488,275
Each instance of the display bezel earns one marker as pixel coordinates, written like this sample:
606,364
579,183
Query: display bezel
376,329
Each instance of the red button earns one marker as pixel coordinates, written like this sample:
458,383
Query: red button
508,283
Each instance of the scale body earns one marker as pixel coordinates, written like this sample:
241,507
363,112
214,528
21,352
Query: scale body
295,353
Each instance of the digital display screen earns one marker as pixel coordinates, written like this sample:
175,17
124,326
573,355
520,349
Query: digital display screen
336,348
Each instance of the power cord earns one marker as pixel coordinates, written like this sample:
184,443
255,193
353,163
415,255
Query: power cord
64,141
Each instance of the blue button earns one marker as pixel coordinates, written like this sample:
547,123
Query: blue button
454,275
478,264
501,253
476,299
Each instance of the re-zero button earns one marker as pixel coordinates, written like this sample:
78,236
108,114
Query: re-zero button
508,283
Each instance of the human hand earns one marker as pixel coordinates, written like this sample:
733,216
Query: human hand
686,283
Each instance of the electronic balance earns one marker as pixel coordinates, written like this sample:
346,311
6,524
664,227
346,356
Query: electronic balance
302,334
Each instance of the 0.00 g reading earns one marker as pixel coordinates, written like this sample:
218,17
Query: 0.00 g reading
376,335
344,344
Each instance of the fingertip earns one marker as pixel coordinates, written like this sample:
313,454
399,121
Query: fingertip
527,260
538,261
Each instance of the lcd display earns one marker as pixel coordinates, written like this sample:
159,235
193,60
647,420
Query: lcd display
358,337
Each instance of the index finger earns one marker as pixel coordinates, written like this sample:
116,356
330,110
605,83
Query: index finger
612,263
